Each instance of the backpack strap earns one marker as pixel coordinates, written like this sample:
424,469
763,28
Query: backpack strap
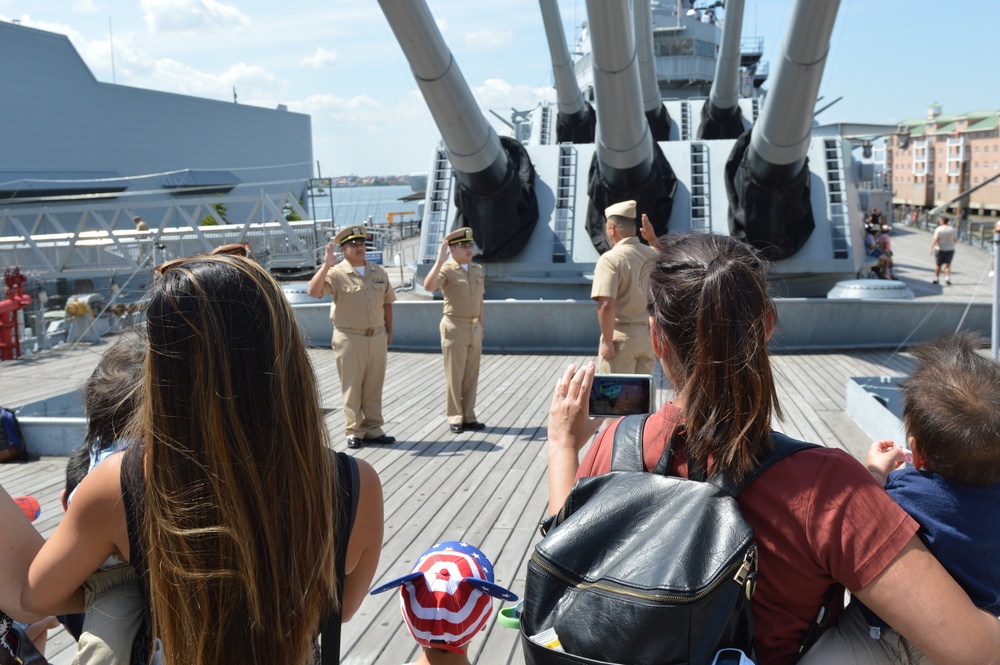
348,476
626,447
783,447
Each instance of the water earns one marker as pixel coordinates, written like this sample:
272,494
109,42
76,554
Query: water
352,205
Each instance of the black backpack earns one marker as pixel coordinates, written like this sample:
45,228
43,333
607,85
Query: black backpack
643,568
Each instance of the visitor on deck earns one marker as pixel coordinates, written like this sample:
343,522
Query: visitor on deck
951,408
820,519
228,502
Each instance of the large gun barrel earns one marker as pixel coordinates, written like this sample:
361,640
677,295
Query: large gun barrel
721,117
652,103
627,164
495,193
780,138
767,174
624,143
576,118
473,147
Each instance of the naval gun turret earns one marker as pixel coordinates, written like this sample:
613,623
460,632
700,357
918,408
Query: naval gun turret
767,176
496,181
792,195
721,117
576,122
627,163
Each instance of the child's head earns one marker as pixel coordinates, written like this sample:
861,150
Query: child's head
951,409
110,394
448,597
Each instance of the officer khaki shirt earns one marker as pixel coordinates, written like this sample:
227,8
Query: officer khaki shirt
463,291
358,301
617,276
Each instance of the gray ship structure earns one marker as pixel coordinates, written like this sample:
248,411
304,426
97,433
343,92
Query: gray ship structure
632,121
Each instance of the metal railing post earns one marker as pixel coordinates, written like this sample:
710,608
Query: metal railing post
996,291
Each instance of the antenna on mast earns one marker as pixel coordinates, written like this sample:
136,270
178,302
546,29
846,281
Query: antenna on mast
111,41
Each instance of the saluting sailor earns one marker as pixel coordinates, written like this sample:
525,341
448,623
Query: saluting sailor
362,331
463,285
625,346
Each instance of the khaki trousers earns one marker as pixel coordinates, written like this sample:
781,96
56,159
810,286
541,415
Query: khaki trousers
849,642
114,615
462,348
633,352
361,365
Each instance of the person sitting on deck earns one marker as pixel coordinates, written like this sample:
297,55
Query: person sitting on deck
228,502
820,520
951,408
446,599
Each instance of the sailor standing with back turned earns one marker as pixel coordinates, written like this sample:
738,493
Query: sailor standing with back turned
362,331
625,346
463,285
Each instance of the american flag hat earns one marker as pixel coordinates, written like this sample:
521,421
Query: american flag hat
448,597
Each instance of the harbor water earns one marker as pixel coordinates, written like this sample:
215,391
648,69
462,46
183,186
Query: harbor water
352,205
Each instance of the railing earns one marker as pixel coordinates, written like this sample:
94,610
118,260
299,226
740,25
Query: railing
87,241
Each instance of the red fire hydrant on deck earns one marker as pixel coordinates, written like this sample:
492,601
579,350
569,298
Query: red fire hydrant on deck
10,337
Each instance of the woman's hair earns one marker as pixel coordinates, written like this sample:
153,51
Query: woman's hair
708,297
111,394
240,499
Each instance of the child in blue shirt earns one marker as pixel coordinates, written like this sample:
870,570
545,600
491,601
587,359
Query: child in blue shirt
951,410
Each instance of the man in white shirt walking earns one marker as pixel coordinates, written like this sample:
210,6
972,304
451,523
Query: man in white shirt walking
943,243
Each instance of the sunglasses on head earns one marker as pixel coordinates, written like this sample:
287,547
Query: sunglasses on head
242,249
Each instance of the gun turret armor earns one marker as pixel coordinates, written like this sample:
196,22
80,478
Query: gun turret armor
767,176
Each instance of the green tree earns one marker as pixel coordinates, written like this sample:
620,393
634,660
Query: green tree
289,212
220,210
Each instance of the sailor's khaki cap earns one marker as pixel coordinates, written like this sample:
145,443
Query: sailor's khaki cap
350,233
458,236
623,209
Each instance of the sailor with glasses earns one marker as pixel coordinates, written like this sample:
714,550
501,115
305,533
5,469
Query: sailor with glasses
362,331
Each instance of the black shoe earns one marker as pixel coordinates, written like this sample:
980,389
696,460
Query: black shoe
456,429
381,438
355,442
475,425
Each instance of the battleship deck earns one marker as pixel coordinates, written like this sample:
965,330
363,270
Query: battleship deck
488,488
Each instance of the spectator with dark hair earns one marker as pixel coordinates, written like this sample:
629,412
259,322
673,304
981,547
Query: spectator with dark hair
951,409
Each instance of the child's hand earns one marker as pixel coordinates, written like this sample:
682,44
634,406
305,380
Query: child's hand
883,456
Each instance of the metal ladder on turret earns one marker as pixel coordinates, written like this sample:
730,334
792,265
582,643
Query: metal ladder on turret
701,193
545,131
685,121
840,230
562,222
435,223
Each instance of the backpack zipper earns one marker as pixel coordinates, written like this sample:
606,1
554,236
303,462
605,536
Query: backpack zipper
738,572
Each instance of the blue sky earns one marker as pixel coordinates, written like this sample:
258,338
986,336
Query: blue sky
338,61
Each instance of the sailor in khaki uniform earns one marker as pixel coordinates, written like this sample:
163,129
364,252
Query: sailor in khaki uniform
625,346
463,285
362,331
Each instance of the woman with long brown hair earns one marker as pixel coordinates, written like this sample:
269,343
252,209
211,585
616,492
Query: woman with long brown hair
228,502
819,518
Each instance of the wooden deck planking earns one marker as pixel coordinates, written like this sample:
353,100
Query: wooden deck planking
489,488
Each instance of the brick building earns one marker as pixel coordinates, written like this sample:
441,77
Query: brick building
934,159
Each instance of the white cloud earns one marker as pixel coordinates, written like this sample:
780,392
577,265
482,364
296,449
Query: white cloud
494,93
487,39
320,59
192,16
84,6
